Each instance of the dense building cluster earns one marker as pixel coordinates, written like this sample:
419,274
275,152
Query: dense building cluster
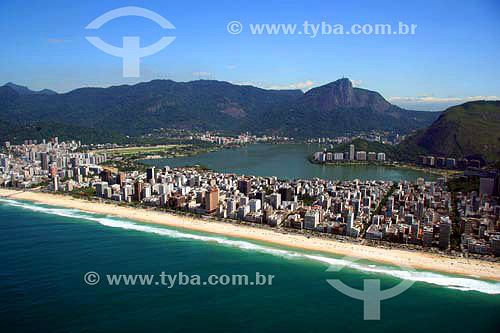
416,213
479,224
351,155
241,139
373,136
34,163
326,206
449,162
423,213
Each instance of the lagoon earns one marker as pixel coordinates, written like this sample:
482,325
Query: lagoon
288,161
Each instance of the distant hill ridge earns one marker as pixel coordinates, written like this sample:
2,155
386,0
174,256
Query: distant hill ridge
333,109
22,90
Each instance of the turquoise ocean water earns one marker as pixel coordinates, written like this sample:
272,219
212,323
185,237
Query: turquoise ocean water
46,251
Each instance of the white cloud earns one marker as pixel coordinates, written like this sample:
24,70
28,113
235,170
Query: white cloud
433,99
304,86
232,66
204,74
357,83
431,102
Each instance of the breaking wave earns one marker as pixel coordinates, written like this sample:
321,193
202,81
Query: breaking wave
458,283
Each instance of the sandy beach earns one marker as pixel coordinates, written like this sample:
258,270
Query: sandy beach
427,261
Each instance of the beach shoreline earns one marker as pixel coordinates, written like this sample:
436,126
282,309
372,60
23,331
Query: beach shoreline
427,261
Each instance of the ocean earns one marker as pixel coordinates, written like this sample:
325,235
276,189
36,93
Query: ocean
46,251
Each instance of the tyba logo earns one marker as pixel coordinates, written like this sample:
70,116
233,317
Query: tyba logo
371,295
131,52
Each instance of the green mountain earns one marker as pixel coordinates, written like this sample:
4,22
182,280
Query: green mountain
17,133
333,109
136,109
22,90
338,108
468,130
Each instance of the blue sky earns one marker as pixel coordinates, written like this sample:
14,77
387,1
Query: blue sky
452,57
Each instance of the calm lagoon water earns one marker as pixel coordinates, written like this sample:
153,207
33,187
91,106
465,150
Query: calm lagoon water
287,161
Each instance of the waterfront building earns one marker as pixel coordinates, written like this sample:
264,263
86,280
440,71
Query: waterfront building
444,233
244,186
45,161
275,200
374,233
429,160
212,200
231,206
99,188
255,205
351,152
150,174
106,175
390,205
287,193
55,183
311,219
53,170
350,223
361,156
428,236
138,190
243,211
495,244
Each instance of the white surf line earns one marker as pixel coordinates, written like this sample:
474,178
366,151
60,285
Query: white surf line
463,284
